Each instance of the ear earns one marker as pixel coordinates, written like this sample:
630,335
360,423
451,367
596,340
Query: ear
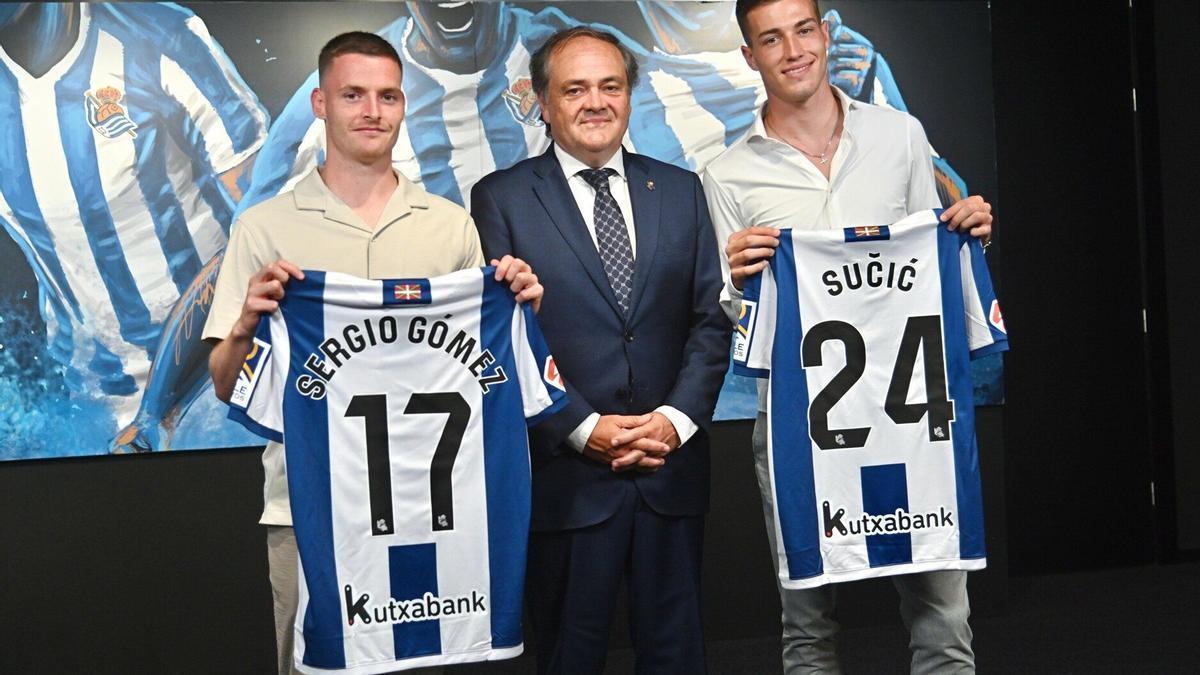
317,98
749,56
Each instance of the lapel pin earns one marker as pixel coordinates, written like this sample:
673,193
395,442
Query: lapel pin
649,185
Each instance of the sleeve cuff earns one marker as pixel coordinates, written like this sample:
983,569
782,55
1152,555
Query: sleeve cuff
685,428
579,438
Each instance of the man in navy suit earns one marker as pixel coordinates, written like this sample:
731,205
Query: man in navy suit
623,245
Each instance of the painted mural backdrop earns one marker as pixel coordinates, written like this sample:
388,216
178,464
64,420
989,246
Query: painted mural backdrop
132,134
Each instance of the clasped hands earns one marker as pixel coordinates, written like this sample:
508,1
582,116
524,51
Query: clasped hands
632,442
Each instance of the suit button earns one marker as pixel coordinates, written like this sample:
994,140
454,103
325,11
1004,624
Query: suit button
622,393
629,336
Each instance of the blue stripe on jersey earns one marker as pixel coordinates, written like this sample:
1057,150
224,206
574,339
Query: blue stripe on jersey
413,570
648,127
505,135
792,461
309,475
428,136
133,318
884,490
968,491
170,222
114,381
506,469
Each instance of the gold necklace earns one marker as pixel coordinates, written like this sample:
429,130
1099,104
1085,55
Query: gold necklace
822,157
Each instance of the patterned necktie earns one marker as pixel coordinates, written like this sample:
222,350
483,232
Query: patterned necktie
612,237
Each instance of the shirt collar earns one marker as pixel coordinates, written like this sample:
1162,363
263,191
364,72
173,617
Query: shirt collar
312,194
571,166
759,128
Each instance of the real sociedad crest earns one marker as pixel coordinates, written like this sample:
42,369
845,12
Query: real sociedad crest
106,115
523,103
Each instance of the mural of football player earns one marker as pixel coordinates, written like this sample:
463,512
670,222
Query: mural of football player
864,74
696,94
470,109
123,129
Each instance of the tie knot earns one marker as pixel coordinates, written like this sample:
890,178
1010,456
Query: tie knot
598,178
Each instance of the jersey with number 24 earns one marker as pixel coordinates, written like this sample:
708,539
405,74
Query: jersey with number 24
866,335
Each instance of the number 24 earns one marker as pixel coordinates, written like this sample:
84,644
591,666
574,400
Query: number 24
926,330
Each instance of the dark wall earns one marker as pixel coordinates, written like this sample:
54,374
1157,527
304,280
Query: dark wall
1078,458
155,563
145,564
1172,67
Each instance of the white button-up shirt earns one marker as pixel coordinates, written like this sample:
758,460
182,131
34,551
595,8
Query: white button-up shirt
880,173
585,198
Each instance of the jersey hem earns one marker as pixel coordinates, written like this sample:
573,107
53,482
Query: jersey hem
239,416
547,412
994,348
747,371
883,571
490,654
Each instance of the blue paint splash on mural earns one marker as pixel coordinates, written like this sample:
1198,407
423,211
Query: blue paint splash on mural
38,416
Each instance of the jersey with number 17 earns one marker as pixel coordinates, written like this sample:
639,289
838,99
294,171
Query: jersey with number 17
866,334
402,405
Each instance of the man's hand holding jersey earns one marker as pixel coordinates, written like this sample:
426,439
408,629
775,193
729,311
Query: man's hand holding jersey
520,279
972,214
263,293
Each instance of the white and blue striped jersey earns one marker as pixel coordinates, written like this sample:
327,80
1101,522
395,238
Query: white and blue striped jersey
402,405
688,108
458,127
110,182
866,336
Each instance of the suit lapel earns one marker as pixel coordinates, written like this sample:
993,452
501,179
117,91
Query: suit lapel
555,196
647,212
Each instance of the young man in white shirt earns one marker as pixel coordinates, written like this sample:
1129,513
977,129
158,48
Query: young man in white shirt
816,159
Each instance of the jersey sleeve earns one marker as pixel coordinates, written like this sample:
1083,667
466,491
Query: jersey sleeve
257,400
985,329
754,332
226,118
542,389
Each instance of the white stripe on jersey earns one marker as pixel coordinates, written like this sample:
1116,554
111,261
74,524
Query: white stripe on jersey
52,188
516,66
126,203
179,86
979,334
700,133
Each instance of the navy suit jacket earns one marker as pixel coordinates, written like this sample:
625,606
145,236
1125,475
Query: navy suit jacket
671,350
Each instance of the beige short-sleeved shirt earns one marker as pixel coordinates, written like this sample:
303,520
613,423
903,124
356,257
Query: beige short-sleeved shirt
418,235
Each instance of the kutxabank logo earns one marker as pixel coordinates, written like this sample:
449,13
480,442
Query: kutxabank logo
425,608
898,522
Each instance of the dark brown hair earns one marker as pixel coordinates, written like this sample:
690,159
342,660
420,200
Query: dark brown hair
355,42
539,63
745,6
